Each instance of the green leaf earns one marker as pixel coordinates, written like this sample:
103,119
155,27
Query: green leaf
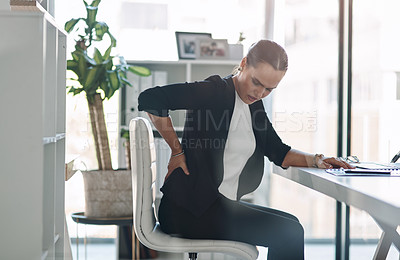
104,86
97,56
114,79
101,28
74,69
71,24
72,64
125,133
110,65
125,81
95,2
90,77
82,67
139,70
88,59
113,40
111,93
107,53
71,89
91,15
74,91
77,91
75,55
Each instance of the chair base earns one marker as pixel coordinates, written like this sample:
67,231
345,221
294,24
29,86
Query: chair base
192,256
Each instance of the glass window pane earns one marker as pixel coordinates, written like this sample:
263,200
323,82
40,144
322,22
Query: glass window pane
376,88
305,106
375,107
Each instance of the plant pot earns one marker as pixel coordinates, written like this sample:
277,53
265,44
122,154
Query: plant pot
108,193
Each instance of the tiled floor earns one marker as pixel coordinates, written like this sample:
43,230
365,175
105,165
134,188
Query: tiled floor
107,251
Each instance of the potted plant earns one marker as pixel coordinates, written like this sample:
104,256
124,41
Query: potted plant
100,75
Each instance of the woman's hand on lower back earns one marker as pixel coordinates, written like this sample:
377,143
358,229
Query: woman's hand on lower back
176,162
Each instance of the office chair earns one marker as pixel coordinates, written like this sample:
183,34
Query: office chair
146,227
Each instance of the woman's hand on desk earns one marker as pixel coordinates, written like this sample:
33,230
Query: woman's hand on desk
301,159
333,162
176,162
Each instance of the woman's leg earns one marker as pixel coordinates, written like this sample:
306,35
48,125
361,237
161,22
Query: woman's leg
231,220
270,210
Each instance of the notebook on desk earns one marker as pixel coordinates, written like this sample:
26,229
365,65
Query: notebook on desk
368,169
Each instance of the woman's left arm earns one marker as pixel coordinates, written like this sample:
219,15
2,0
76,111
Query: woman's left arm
302,159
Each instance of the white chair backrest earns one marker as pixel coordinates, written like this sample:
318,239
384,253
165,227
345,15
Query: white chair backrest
143,157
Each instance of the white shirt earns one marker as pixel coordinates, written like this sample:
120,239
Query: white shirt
240,145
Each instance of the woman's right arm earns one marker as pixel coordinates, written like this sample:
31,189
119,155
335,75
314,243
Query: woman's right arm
167,131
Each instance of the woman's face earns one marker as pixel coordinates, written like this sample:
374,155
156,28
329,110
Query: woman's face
255,83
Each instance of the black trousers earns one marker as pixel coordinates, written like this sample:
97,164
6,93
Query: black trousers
281,232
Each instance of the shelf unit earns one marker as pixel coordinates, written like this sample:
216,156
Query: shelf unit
32,105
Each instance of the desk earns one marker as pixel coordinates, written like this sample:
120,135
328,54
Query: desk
125,232
378,196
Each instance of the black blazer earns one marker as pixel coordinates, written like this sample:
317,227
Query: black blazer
209,106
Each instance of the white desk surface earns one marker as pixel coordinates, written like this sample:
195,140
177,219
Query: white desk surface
377,195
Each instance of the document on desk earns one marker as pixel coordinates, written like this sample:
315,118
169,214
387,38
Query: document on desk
377,166
368,169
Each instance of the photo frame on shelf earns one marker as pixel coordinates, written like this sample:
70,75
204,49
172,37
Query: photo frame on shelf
212,49
186,43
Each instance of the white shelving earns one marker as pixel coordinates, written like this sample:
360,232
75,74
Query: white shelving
32,105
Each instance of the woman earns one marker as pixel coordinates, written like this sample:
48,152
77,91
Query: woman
221,157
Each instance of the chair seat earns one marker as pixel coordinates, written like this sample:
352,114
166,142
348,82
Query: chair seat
167,243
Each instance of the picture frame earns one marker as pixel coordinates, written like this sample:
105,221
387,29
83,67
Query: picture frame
186,43
212,49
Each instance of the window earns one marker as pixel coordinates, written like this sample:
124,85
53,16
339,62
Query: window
375,105
305,106
376,63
